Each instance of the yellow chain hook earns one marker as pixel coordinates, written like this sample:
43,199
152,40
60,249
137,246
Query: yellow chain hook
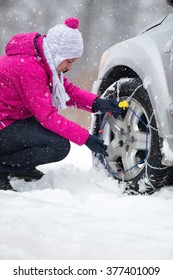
123,104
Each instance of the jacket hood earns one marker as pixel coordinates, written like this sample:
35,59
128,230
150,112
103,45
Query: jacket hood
22,43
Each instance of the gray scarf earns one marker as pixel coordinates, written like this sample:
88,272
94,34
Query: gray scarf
59,95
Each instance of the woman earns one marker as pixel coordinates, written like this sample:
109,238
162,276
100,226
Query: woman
33,90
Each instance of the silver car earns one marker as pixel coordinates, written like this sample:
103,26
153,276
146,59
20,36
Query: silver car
140,71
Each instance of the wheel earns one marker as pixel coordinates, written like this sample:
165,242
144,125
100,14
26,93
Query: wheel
134,146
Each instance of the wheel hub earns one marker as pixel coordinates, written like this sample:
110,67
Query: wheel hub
127,142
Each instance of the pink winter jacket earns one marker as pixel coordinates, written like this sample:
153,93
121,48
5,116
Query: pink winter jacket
25,89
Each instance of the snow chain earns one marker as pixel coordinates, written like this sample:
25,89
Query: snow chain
123,105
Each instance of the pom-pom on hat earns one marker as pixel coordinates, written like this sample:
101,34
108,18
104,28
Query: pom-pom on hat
65,41
72,22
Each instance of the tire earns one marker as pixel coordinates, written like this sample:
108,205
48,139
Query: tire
134,146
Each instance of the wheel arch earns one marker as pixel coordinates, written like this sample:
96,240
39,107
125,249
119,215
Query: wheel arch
115,74
122,71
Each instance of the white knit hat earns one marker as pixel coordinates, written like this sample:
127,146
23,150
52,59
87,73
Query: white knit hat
65,41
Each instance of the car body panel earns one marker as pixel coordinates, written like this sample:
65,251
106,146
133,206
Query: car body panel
150,56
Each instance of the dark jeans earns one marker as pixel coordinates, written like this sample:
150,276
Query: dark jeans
26,144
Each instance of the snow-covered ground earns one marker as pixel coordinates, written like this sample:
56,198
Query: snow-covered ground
76,212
